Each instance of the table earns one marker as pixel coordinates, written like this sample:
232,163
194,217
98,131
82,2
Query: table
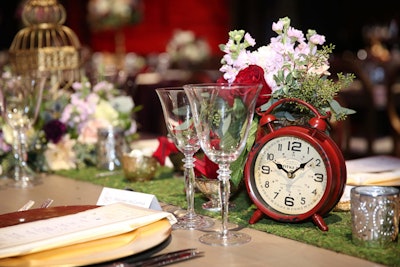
263,250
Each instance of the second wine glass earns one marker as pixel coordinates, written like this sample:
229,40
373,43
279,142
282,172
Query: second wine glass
222,114
180,126
21,98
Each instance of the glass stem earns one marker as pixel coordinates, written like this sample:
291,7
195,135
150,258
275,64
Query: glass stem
224,174
20,154
189,183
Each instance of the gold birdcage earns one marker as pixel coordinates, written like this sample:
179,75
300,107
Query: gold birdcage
45,44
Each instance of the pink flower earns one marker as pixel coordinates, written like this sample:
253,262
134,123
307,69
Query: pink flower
88,132
249,39
317,39
297,35
277,26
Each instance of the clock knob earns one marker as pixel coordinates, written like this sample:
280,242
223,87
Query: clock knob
267,118
318,123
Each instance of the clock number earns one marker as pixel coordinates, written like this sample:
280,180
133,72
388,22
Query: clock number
279,147
289,201
314,192
295,146
265,169
266,185
318,162
303,200
319,177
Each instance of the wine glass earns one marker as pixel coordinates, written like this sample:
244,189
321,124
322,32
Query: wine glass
222,115
180,126
20,100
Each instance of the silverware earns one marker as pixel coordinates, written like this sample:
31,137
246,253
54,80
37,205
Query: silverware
162,259
27,205
46,203
30,203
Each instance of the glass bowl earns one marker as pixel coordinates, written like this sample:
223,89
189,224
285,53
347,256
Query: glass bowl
210,190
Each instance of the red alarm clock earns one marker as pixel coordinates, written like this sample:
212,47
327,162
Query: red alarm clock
294,173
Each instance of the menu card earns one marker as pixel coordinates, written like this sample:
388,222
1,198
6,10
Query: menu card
84,226
375,170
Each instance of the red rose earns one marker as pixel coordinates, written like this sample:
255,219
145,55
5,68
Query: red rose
255,74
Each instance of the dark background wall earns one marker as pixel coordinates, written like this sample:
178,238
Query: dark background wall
341,21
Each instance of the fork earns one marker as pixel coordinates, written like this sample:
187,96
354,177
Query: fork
30,203
46,203
27,205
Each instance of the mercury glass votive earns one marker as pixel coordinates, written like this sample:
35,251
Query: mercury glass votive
110,146
210,188
374,215
138,167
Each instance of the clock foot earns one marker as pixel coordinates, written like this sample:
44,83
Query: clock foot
257,215
317,219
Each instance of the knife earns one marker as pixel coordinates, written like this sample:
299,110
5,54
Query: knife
162,259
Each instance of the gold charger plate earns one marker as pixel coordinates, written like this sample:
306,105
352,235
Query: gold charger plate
92,252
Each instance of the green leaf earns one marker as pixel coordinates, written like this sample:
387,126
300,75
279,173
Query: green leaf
226,123
185,125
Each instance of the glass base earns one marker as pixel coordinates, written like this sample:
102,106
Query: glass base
25,178
232,239
195,222
24,183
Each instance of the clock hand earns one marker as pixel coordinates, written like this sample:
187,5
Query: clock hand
280,167
302,165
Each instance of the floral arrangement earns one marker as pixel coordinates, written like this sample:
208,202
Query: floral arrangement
113,14
65,134
186,48
292,65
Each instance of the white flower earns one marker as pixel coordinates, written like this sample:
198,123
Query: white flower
123,104
113,13
250,39
7,133
61,156
105,111
186,46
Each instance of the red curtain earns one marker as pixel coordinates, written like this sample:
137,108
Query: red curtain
208,19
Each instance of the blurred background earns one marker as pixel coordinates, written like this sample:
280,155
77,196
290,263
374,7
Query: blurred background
342,22
158,43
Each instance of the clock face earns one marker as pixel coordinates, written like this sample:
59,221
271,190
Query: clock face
290,175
